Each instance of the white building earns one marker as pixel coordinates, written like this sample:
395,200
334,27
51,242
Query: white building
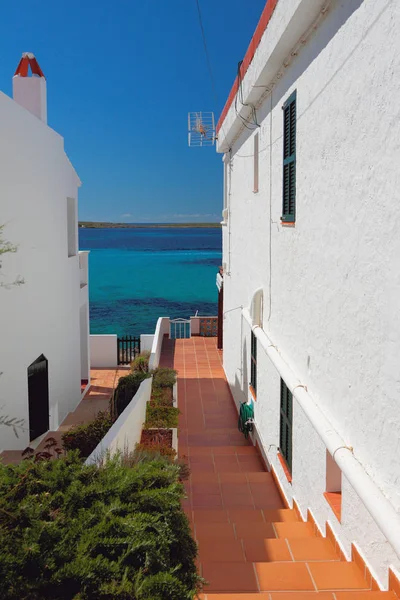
44,323
311,245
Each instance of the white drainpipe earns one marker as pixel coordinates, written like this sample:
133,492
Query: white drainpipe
378,506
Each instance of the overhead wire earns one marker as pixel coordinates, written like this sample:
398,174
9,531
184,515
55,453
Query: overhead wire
203,35
239,95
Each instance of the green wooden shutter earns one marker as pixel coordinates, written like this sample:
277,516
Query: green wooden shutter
289,160
286,420
253,361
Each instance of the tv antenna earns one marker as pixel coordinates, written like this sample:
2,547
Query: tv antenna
201,129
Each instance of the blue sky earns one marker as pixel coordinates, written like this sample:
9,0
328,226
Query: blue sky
121,78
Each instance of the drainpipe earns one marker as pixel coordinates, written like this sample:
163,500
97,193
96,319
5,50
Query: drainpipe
375,502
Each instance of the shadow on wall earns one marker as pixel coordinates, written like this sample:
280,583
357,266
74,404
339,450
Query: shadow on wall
238,393
317,43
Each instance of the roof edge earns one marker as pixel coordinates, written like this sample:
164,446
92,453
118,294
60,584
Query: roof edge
250,52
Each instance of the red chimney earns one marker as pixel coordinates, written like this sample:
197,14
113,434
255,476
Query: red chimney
30,91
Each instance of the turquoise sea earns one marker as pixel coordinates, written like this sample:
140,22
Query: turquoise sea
138,275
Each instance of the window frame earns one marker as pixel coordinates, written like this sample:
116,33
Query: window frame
286,425
289,159
253,362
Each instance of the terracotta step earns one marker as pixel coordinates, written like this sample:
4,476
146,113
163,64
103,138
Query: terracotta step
218,531
260,531
266,596
312,549
50,434
294,530
303,596
337,576
10,457
266,550
233,515
365,596
225,464
215,551
230,477
236,576
229,576
249,596
221,450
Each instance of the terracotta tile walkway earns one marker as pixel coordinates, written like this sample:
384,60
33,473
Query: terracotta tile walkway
102,384
250,545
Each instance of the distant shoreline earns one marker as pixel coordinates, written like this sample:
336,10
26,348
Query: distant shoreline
95,225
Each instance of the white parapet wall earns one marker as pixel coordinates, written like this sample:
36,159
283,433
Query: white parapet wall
162,328
195,325
103,351
127,429
146,342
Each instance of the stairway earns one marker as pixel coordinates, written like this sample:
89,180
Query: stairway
250,545
97,398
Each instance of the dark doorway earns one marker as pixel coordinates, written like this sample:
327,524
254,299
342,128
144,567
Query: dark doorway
220,317
38,397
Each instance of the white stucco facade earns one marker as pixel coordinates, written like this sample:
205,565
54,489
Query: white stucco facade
330,284
48,314
103,351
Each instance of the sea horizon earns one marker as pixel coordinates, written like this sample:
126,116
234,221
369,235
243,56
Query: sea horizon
139,274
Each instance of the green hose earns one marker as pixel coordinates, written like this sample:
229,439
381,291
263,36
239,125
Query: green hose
246,416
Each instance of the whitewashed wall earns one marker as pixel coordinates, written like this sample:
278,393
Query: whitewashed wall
331,284
41,316
103,351
146,342
127,429
162,328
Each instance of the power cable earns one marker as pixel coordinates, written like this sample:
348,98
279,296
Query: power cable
239,95
203,35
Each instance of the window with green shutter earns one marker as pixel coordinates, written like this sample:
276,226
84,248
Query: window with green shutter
286,424
289,160
253,362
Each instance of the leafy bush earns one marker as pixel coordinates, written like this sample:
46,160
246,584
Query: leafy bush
70,531
141,362
161,416
161,396
184,470
156,449
126,389
164,377
86,437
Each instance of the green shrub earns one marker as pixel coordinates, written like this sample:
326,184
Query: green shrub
162,396
125,390
86,437
161,416
164,377
141,362
70,531
156,449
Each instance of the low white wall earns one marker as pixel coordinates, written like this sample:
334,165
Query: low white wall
103,351
127,429
146,342
162,328
195,325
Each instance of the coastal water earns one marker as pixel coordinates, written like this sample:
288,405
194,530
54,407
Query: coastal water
138,275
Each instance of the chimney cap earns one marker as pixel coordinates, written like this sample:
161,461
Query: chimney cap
28,60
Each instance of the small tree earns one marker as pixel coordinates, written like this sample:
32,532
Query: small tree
6,248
